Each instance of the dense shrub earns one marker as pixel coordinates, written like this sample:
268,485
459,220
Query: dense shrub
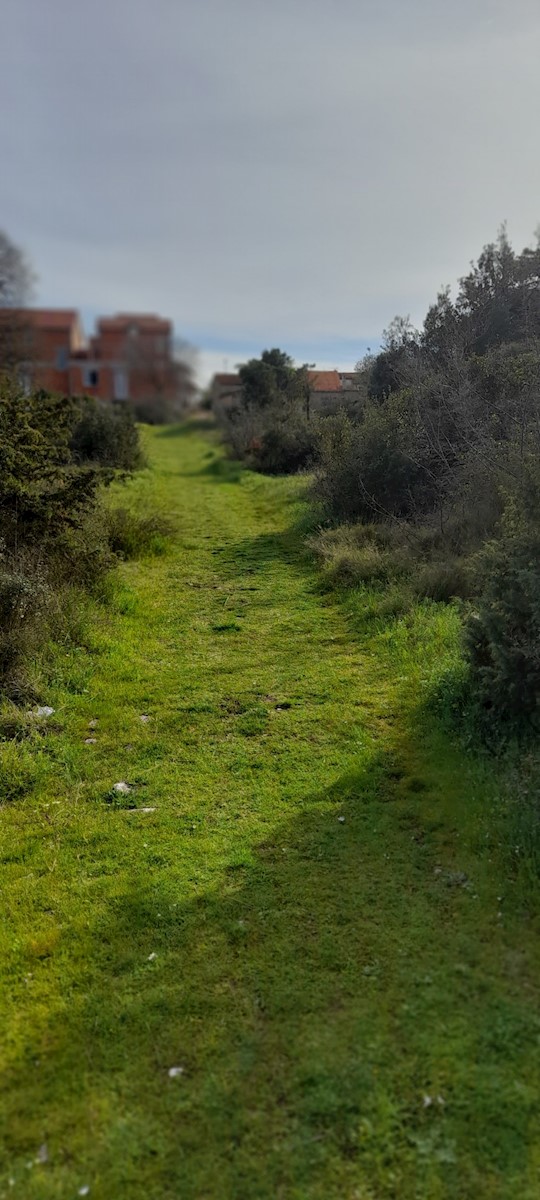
285,448
106,434
372,468
54,535
502,635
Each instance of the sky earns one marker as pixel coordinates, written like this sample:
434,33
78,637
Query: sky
291,173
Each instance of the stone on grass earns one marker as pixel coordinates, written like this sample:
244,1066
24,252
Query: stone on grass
122,788
90,741
174,1072
44,710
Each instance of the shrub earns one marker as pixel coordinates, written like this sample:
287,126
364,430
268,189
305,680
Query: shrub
106,434
54,541
370,469
284,448
502,636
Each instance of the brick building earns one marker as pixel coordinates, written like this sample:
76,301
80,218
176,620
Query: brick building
128,358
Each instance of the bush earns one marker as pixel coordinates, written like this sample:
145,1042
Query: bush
106,434
502,636
284,448
55,457
370,469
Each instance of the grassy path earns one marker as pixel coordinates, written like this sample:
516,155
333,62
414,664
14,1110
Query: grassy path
287,924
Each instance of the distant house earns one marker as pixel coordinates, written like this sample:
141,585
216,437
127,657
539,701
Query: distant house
225,390
328,390
129,358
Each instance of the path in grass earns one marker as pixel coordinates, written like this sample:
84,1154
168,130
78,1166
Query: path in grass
287,924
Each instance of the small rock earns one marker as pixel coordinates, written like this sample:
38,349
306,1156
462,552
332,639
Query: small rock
174,1072
144,718
437,871
44,710
122,787
456,879
341,820
93,723
90,741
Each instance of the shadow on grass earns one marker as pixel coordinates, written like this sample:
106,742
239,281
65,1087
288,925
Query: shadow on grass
305,995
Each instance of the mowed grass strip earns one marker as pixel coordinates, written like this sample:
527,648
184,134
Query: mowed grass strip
306,921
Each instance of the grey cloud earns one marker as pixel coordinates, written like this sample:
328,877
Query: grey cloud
301,170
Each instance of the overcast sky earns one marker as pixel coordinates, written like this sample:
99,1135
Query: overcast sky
266,172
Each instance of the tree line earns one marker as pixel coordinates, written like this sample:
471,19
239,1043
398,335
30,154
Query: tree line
431,472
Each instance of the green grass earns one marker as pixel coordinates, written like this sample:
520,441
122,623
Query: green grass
335,936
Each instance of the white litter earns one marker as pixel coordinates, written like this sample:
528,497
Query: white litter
144,718
44,710
90,741
427,1101
84,1190
122,787
341,820
42,1154
174,1072
152,956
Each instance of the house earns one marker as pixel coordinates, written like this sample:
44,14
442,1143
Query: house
329,390
128,358
225,390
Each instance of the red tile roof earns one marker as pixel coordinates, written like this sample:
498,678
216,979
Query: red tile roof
227,379
324,381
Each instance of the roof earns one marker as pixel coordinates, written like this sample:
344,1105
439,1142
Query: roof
42,318
324,381
149,322
227,380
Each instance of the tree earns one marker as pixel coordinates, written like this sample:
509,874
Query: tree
268,380
16,286
16,275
